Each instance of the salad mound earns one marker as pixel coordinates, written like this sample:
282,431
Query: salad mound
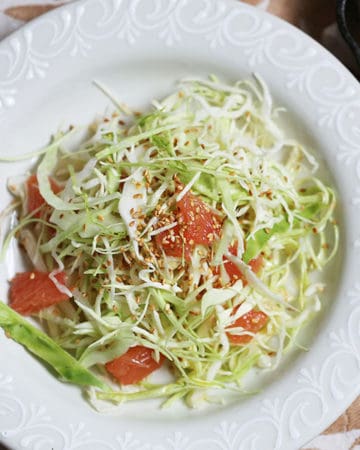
190,237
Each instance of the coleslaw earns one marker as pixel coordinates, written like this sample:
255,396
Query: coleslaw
194,231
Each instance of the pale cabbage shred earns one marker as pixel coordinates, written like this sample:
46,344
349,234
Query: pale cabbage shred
222,143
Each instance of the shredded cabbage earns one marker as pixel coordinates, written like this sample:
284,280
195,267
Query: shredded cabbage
222,143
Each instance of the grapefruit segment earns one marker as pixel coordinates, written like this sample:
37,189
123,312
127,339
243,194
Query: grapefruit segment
34,198
252,321
30,292
134,365
196,225
233,270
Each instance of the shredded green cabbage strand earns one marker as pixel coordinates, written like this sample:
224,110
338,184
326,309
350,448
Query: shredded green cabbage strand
223,144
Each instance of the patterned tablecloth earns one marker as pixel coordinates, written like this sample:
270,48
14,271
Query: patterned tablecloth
315,17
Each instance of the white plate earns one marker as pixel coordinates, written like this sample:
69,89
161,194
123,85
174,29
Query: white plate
139,48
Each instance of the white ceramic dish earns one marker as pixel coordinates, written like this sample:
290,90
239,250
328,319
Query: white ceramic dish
139,48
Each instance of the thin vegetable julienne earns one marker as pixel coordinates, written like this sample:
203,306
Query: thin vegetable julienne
121,187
